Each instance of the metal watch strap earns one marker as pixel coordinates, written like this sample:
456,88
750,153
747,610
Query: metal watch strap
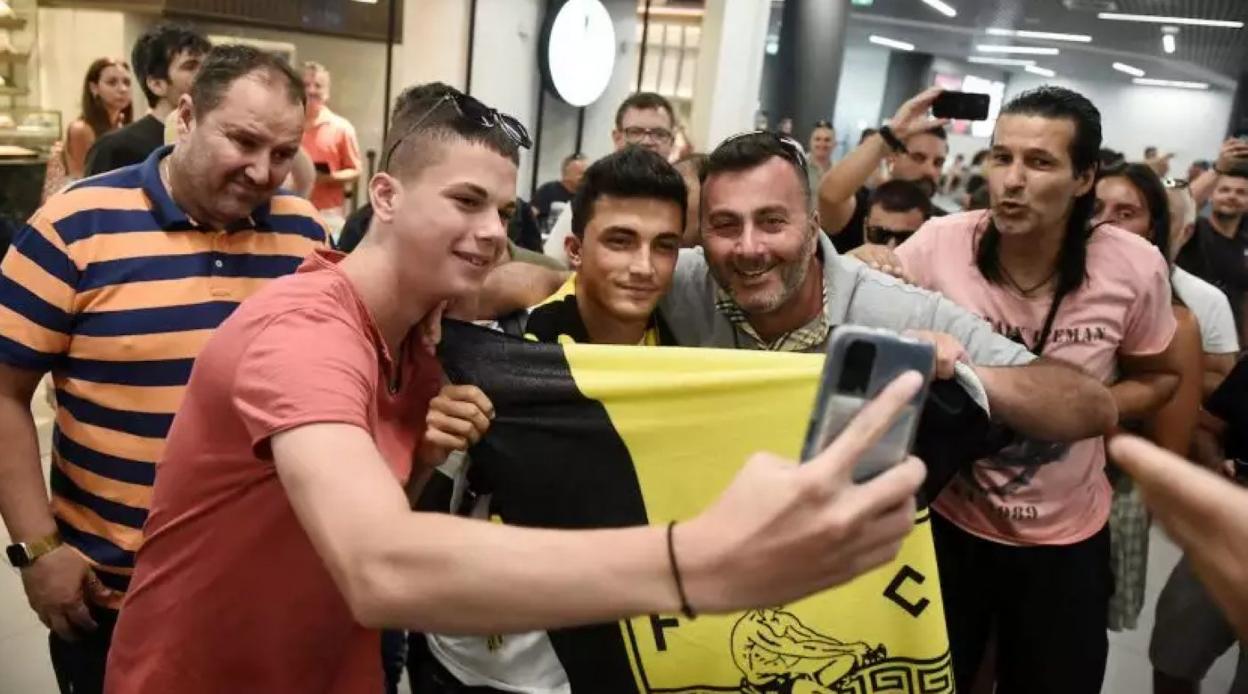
890,138
37,548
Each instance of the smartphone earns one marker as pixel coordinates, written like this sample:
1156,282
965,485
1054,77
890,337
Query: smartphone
961,106
860,363
322,167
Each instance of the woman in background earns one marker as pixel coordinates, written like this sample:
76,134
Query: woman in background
1132,197
106,106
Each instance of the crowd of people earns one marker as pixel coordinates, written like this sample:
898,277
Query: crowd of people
248,400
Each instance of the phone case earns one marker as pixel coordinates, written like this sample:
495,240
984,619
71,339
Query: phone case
894,355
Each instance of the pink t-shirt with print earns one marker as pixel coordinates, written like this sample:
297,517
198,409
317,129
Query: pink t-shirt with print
1037,493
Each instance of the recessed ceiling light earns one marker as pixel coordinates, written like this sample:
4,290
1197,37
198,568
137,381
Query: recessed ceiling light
1150,82
891,43
1167,43
1129,69
1156,19
1042,71
1022,50
1022,34
1000,61
941,7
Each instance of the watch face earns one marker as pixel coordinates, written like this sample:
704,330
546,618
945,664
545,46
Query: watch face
17,555
581,51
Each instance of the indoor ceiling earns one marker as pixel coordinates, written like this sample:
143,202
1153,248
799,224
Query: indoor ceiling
1215,55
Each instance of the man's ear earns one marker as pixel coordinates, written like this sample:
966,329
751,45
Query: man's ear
1085,181
384,193
158,86
184,117
572,247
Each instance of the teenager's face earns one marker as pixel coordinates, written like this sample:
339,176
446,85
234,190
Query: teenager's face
1031,178
113,88
182,70
627,257
449,219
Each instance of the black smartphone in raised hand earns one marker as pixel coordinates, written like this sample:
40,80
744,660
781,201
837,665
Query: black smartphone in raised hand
961,106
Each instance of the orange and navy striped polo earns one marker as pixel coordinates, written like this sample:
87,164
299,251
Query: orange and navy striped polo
114,290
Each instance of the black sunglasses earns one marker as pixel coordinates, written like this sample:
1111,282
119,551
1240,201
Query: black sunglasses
882,235
1175,183
823,124
476,112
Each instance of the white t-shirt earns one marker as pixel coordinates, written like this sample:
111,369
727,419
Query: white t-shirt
1212,311
562,230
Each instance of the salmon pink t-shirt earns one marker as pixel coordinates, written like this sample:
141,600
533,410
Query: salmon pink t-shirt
228,593
1038,493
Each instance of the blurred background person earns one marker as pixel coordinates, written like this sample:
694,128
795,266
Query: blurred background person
329,140
165,59
552,196
1218,249
107,104
1207,303
1133,198
819,156
896,210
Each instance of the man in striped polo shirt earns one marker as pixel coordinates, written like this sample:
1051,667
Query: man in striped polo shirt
114,286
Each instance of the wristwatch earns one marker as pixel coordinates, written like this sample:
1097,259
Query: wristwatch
23,554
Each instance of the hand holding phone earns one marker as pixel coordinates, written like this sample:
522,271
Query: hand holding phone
861,362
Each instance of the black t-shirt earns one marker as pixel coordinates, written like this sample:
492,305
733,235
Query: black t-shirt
547,195
852,236
1219,261
1230,404
125,146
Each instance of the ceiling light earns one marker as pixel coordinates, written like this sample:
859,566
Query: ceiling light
1079,38
1167,42
1042,71
1150,82
1000,61
1129,69
941,7
1155,19
1025,50
891,43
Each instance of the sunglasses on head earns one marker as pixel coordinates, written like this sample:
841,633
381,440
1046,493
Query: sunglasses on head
793,151
473,111
882,235
823,124
1175,183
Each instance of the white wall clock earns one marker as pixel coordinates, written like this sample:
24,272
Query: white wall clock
578,50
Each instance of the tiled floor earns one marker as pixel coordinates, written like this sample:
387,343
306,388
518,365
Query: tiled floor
24,666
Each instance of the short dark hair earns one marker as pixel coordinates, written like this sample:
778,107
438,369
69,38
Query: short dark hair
1057,103
427,113
577,156
155,50
1237,170
979,157
1150,187
227,64
1109,158
632,172
936,131
751,150
643,101
900,196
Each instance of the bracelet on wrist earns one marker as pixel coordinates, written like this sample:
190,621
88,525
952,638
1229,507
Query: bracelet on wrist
890,138
685,608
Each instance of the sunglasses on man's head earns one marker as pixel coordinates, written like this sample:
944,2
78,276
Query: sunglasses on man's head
882,235
1175,183
473,111
793,151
